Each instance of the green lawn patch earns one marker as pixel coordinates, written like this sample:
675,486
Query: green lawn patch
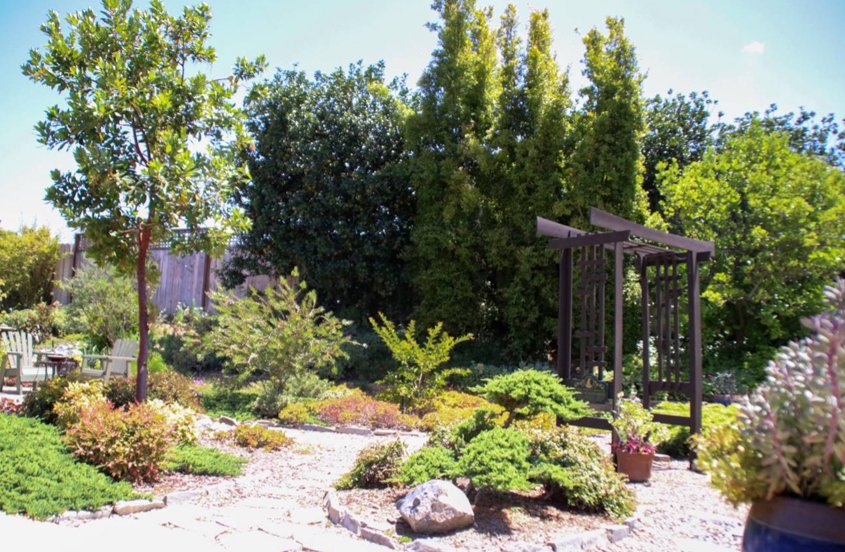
198,460
712,415
235,403
39,477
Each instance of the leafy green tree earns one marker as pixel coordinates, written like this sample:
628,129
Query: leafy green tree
776,217
99,308
27,266
531,141
329,190
606,168
446,137
420,375
677,129
154,139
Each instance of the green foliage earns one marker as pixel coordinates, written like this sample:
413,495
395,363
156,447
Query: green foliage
426,464
677,131
28,261
420,375
300,386
789,437
329,190
39,478
279,333
376,466
606,166
254,436
775,217
181,420
104,307
178,339
574,470
526,393
497,459
40,403
41,321
221,400
139,114
198,460
76,397
677,441
173,387
129,443
452,407
294,414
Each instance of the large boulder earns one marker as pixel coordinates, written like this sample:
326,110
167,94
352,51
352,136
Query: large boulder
436,507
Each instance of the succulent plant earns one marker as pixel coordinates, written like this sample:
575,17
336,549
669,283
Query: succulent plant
635,426
789,437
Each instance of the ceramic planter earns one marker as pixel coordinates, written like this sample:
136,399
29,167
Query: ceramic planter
792,525
636,466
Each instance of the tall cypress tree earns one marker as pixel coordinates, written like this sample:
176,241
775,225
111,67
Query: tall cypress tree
456,94
606,169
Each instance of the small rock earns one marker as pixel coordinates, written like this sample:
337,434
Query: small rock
377,537
126,507
228,421
436,507
616,533
318,428
527,547
265,423
428,545
183,497
662,459
334,509
580,541
350,523
632,523
355,430
384,432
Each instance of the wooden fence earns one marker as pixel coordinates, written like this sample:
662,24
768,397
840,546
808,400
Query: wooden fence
184,280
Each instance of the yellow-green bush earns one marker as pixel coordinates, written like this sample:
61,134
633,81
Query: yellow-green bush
255,436
76,397
294,414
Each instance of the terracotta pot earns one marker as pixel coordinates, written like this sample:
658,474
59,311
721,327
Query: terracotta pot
636,466
791,524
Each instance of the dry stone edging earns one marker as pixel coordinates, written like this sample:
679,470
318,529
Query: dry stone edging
339,515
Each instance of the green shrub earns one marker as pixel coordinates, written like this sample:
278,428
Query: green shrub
497,459
197,460
42,320
368,358
126,443
295,387
294,414
27,266
526,393
39,478
170,386
104,306
677,443
120,391
222,400
40,403
277,333
255,436
575,470
459,436
428,463
182,420
359,409
420,375
376,466
453,407
178,338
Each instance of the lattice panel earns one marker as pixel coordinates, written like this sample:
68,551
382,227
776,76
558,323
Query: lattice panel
591,267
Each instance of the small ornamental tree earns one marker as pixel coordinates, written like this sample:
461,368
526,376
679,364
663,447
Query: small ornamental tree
153,138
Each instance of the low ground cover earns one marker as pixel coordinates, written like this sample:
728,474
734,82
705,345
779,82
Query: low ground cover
40,478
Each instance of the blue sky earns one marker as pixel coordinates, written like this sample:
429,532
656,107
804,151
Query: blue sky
748,54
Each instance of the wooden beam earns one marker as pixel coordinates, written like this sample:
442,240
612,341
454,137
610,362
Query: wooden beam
603,219
645,321
552,229
564,316
618,269
694,340
603,238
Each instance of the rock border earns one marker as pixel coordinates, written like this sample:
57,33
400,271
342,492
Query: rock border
119,508
378,533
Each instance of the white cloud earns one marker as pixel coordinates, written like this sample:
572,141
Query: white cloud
755,48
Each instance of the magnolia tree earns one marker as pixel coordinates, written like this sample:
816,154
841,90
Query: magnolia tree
155,139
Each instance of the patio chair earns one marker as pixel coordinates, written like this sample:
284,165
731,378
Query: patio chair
21,362
123,354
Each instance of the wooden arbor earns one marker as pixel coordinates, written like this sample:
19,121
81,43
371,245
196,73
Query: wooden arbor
671,361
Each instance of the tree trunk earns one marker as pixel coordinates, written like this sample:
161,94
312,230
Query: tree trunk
143,322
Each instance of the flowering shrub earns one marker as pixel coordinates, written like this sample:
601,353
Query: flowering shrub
127,444
638,433
359,409
77,396
256,436
8,406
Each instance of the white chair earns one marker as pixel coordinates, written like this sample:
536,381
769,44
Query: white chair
124,353
21,362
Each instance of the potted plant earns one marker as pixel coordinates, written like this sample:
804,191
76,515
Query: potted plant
637,438
785,454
